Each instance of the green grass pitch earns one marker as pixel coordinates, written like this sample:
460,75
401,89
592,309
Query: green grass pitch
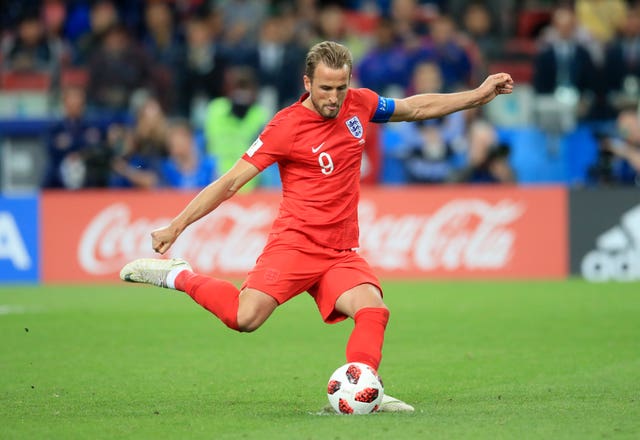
488,360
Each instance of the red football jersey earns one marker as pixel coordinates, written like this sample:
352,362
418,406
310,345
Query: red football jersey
319,162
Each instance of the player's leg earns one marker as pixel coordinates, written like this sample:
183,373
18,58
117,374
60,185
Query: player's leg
242,311
363,303
351,289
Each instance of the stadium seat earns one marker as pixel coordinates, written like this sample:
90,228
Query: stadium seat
521,71
393,169
361,23
580,151
531,21
74,77
519,49
35,81
530,156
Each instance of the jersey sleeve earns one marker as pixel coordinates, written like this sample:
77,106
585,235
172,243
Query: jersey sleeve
381,108
273,143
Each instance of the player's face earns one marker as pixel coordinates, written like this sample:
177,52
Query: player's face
327,89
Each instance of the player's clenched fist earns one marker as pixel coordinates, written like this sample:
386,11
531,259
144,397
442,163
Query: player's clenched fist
494,85
163,238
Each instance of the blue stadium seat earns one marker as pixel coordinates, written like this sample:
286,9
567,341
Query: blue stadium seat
393,170
527,152
580,151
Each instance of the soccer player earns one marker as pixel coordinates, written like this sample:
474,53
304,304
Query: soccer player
317,143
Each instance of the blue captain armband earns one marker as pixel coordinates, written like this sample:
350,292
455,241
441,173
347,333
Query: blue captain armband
386,107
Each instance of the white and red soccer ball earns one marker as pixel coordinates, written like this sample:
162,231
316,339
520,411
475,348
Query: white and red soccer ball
355,388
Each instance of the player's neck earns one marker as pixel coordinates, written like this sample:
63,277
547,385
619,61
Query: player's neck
309,104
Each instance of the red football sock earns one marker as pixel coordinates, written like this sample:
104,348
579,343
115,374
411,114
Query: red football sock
365,342
220,297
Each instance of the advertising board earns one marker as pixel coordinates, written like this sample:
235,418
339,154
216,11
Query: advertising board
19,239
605,233
444,232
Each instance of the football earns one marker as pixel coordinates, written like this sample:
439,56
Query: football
355,388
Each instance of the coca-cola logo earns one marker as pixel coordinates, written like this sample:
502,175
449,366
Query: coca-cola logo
466,234
228,240
463,234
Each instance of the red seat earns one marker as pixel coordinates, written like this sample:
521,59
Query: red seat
531,21
361,23
36,81
520,48
74,77
520,71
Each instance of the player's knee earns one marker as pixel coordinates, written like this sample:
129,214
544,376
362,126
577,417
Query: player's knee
253,310
375,302
251,318
248,327
249,322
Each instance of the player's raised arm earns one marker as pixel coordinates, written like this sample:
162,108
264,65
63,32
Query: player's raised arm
206,201
436,105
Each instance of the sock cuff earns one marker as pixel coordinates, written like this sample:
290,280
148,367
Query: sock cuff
172,275
378,313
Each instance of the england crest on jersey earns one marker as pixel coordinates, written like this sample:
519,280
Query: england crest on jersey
355,127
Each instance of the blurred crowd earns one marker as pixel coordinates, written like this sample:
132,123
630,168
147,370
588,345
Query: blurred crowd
154,93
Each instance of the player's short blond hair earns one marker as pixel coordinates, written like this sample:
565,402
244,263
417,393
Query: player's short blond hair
330,53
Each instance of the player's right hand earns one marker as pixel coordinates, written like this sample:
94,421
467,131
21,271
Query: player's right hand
163,238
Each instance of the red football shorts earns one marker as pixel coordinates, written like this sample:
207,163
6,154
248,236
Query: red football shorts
291,264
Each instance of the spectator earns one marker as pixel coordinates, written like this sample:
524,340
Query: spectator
503,13
332,26
563,59
430,159
242,19
103,17
234,121
482,37
430,155
385,67
186,167
74,146
410,24
564,74
163,43
622,67
117,70
29,51
54,15
272,58
300,20
601,19
565,25
205,68
427,78
445,47
619,160
144,149
487,160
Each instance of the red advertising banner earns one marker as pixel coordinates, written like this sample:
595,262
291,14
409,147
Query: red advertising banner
439,232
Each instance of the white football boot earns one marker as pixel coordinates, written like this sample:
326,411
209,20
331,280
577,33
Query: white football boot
152,271
388,404
391,404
